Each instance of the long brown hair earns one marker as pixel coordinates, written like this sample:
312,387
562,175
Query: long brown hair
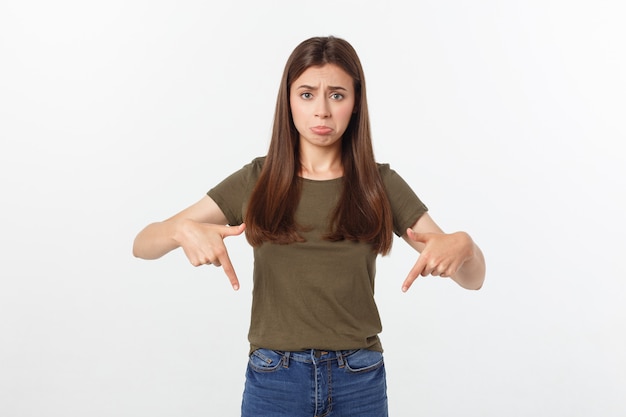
363,212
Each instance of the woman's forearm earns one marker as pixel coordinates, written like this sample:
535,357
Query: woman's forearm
471,275
156,239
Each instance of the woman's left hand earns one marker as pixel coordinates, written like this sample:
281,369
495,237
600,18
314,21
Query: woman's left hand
442,254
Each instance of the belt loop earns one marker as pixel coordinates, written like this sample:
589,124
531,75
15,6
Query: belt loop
340,361
286,360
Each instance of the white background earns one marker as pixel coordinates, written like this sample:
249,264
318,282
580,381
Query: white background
507,118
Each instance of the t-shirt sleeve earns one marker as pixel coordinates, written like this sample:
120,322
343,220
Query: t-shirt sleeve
232,194
405,204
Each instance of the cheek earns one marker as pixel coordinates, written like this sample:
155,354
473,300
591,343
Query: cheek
296,112
345,114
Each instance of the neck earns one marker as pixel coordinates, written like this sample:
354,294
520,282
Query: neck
321,164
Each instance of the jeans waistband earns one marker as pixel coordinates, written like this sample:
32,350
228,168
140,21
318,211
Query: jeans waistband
316,355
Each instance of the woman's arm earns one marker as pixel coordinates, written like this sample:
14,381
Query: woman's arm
452,255
199,229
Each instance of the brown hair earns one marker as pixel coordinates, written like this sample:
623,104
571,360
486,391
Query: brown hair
363,212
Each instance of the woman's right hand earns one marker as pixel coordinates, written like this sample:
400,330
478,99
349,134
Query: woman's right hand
203,244
199,229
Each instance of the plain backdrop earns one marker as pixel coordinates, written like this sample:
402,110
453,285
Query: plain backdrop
506,117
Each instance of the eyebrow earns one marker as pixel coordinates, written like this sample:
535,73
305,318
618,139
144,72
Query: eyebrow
330,87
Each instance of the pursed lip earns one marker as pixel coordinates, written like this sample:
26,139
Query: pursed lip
321,130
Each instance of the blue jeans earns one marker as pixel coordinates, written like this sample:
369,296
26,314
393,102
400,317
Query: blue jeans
314,384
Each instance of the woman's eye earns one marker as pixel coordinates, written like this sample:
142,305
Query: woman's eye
336,96
306,95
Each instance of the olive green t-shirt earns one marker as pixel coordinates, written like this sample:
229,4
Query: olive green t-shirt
316,294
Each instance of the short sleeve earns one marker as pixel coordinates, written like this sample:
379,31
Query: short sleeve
232,194
405,204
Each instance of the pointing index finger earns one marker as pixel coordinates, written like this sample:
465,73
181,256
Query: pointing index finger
415,272
230,271
224,259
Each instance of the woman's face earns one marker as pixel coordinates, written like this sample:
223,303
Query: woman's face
322,103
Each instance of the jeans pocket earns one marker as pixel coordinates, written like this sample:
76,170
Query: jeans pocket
364,360
265,360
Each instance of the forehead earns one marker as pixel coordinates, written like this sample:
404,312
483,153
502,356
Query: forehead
329,74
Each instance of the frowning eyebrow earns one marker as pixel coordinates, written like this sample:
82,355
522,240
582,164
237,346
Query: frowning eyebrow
330,87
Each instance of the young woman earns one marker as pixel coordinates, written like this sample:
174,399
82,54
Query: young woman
317,210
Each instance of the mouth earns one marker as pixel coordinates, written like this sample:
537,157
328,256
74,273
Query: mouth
321,130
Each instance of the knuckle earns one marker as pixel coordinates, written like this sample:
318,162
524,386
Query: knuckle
219,252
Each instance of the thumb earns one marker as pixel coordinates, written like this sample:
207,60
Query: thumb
233,230
417,237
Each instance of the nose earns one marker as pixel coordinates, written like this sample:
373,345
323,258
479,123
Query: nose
322,109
